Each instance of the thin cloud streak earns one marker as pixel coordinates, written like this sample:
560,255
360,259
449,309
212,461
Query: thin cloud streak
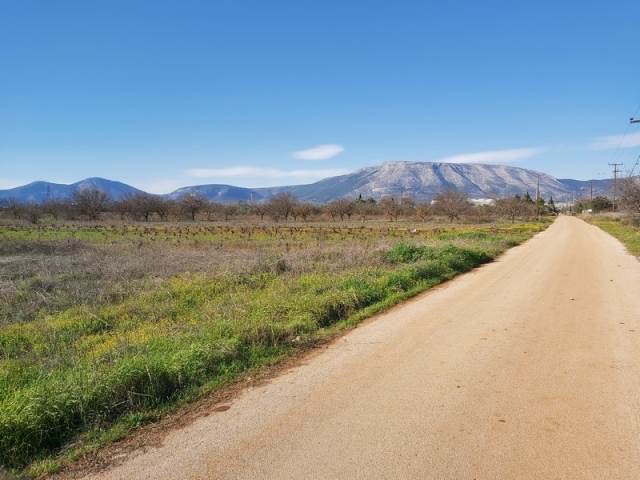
6,184
610,142
159,186
320,152
493,156
272,173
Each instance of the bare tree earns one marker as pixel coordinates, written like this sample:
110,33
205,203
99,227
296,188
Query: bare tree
13,206
365,208
142,205
630,199
341,207
281,206
407,206
514,207
192,204
304,210
229,211
121,207
213,210
163,207
55,208
423,210
451,204
260,209
391,208
90,202
32,212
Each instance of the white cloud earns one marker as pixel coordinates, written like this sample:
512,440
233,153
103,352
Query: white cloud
616,141
158,186
321,152
259,172
494,156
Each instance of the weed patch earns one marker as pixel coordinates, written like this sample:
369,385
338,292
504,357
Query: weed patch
92,372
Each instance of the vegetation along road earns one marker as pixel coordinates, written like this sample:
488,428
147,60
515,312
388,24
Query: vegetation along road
525,368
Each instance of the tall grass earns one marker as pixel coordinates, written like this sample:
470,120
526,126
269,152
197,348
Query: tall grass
89,365
624,229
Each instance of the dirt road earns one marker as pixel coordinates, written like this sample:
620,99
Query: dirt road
528,368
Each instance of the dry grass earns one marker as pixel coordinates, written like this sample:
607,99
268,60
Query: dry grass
47,269
103,327
50,276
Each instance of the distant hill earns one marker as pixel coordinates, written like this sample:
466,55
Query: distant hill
39,192
419,180
424,180
582,188
219,193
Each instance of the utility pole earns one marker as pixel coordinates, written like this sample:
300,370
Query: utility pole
591,197
538,199
633,169
573,199
616,171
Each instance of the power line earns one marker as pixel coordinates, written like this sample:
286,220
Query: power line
615,164
619,147
632,171
635,165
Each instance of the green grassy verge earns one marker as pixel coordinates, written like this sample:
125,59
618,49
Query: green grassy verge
622,229
90,374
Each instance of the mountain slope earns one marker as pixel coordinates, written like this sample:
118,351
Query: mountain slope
39,192
424,180
420,180
582,188
219,193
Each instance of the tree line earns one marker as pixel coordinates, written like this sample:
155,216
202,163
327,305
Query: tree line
94,204
628,200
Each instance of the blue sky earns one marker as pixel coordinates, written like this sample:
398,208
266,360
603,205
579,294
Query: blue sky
162,94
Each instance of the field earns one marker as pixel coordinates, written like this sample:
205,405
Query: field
106,327
624,229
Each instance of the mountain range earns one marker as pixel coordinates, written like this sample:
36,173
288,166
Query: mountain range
419,180
38,192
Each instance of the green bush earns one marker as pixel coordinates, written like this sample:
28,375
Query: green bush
407,253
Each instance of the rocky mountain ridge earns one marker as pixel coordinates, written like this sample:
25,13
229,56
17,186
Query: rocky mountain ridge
419,180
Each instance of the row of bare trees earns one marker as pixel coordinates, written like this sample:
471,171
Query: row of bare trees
630,198
92,205
87,203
